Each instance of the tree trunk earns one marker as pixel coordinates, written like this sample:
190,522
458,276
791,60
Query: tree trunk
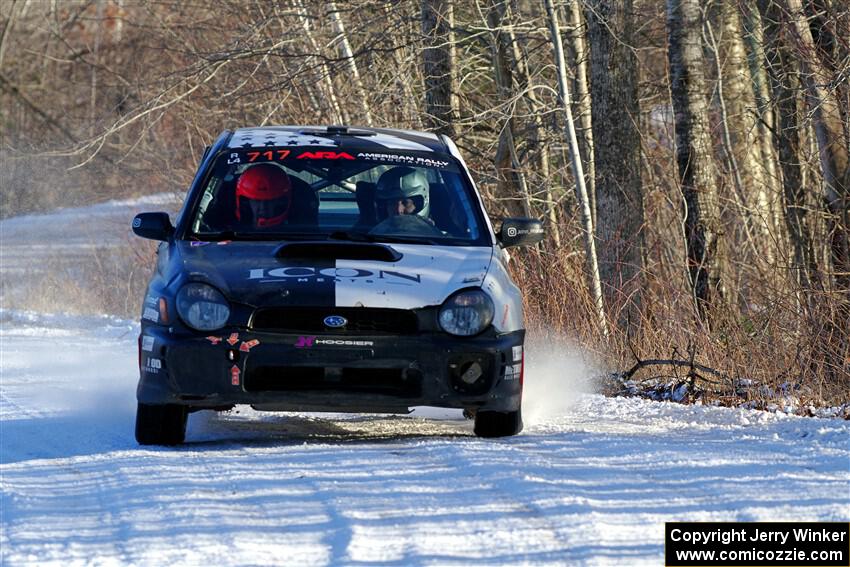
619,194
335,112
784,71
345,49
703,229
578,47
536,144
512,183
578,172
741,119
832,143
438,65
754,37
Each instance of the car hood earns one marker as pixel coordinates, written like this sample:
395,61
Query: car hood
253,273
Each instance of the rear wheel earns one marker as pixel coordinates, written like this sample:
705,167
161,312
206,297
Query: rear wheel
497,423
161,424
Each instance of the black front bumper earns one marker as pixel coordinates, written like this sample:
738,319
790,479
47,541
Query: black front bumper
331,372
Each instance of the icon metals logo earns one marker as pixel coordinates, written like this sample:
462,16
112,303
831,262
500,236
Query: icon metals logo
335,321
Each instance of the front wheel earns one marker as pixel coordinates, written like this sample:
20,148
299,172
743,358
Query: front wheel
497,423
161,424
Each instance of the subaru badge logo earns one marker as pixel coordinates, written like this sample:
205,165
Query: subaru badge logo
335,321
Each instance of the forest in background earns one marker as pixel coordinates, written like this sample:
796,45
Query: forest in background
689,159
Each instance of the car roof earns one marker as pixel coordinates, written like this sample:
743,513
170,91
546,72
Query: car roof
342,137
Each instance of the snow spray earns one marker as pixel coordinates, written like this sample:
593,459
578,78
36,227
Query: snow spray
557,374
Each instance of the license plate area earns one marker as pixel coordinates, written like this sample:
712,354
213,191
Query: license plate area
402,382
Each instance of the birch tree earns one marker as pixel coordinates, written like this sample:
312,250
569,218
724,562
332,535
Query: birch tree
578,170
345,49
576,37
741,123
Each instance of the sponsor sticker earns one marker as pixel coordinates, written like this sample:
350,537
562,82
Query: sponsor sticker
153,365
151,314
325,155
517,353
310,342
407,160
147,343
310,274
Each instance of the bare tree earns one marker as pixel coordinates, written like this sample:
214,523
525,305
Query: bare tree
832,142
535,143
784,70
510,174
348,54
437,18
741,127
576,36
619,192
703,230
578,171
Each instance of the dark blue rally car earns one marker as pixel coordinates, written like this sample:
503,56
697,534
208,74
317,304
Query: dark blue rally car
331,269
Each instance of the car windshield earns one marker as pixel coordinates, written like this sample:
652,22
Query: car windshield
319,193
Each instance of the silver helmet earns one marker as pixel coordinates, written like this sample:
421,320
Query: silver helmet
403,183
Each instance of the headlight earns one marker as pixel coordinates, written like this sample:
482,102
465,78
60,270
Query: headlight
202,307
466,313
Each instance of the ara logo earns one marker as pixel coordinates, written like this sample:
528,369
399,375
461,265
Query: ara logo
335,321
325,155
305,342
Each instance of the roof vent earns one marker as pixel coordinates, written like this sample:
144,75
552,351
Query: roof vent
338,131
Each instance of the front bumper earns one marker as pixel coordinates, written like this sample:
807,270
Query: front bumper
329,373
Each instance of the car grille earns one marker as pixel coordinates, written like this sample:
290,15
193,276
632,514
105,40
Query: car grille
361,320
384,381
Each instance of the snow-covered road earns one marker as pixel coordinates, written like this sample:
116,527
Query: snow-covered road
588,482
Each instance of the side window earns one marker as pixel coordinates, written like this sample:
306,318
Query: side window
451,208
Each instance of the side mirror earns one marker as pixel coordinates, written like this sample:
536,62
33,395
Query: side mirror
156,226
520,232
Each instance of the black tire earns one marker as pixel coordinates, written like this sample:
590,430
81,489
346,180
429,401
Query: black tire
498,424
161,424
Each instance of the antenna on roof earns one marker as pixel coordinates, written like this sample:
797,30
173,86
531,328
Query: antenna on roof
337,130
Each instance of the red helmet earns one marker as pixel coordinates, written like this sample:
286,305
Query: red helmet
268,194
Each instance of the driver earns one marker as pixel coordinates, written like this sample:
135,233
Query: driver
263,196
402,191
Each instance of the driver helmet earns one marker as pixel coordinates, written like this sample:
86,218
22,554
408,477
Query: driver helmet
263,195
402,183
